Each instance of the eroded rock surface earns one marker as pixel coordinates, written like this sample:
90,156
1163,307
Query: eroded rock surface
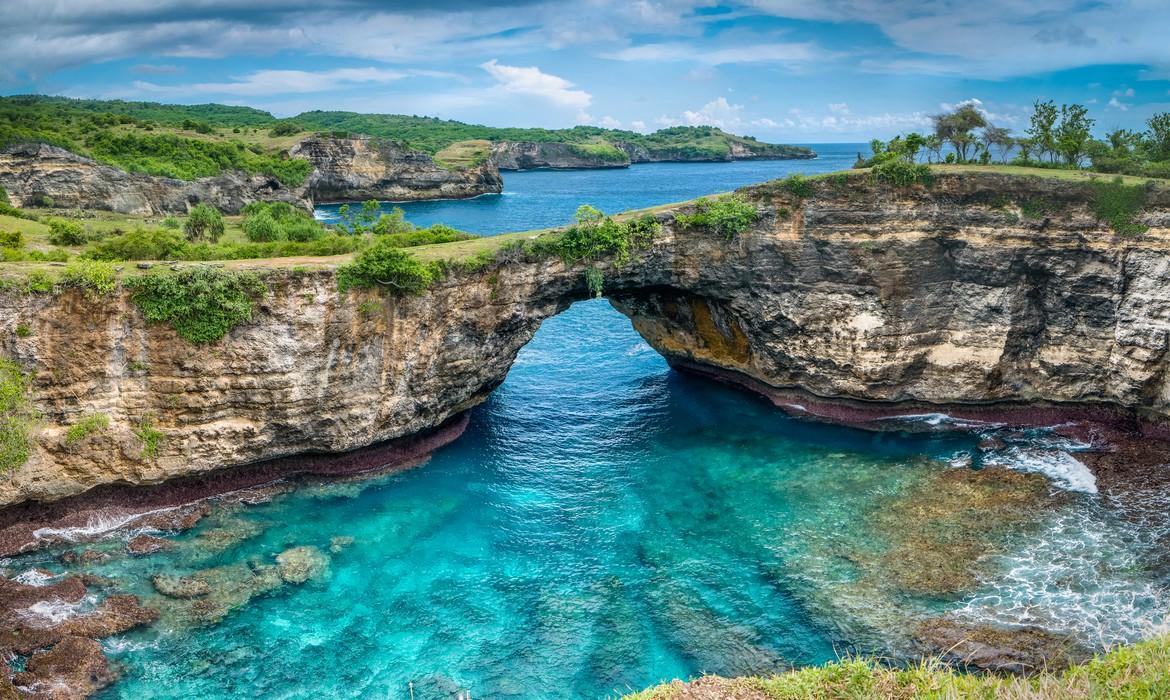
359,168
882,299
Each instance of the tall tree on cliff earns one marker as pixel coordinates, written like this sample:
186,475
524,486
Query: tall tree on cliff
957,127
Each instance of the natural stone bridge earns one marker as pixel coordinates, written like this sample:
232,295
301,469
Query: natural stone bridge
860,298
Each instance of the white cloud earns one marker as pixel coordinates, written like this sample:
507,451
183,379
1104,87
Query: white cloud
753,53
531,81
638,125
999,38
1117,104
718,112
609,122
279,82
839,107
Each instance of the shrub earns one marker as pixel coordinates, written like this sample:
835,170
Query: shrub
262,228
596,236
88,425
595,281
901,173
139,244
16,417
727,216
797,185
204,223
66,232
11,239
150,437
172,223
23,330
303,230
98,276
202,304
386,266
1118,205
285,129
393,223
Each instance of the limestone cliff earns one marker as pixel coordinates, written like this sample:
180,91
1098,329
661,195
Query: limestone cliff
528,155
359,168
33,172
955,294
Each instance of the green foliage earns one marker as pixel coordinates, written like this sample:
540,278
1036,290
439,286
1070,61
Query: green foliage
202,304
39,282
1118,205
138,244
86,426
66,232
285,128
902,173
16,417
601,150
728,216
97,276
797,185
172,223
1038,207
595,281
11,239
262,228
596,236
386,266
150,436
265,222
393,223
204,223
23,330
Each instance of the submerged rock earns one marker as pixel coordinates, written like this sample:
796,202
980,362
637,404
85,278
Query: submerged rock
147,544
336,544
300,564
1021,650
179,586
74,668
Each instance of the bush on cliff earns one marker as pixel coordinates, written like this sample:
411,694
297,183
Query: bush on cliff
95,276
204,223
901,173
265,222
727,216
139,244
202,304
66,232
386,266
1118,205
16,417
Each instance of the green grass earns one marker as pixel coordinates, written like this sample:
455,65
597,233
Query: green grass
462,155
16,417
1137,672
87,425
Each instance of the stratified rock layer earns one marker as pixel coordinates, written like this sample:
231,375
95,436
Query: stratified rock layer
37,174
886,299
349,169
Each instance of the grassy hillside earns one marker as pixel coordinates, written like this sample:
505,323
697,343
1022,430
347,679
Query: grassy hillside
1138,672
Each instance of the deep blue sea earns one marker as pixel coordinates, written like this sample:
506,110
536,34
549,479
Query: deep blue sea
543,198
606,523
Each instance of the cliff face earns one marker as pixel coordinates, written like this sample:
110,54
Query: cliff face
352,169
737,150
896,297
32,172
526,155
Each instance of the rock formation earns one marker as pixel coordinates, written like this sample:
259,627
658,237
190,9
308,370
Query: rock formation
528,155
36,174
358,168
950,297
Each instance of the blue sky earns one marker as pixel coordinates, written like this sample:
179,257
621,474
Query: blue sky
782,70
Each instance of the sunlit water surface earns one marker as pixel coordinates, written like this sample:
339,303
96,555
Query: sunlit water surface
606,523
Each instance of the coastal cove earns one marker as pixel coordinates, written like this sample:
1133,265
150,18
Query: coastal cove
606,522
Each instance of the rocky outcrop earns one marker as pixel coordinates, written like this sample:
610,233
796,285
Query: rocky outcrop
43,175
528,155
358,168
862,297
741,149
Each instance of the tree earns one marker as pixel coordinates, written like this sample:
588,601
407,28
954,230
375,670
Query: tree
914,142
204,223
1073,132
1025,145
1043,120
934,146
956,127
999,138
1158,137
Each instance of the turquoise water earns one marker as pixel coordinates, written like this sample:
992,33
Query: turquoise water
606,523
